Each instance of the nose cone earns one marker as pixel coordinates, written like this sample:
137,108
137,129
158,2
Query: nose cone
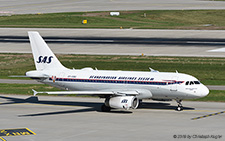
204,91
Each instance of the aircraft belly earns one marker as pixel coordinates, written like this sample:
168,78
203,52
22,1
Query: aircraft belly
164,92
167,94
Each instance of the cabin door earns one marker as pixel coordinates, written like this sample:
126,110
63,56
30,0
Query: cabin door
173,87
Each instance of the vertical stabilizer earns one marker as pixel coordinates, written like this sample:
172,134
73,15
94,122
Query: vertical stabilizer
43,56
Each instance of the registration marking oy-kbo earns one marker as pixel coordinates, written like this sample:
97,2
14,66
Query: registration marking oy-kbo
16,132
208,115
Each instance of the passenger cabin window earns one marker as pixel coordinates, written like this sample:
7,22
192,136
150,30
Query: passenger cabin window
192,83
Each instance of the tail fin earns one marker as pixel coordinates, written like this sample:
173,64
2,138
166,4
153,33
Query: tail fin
44,58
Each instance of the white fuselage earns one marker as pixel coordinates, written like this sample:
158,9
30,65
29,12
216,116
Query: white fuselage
121,89
162,85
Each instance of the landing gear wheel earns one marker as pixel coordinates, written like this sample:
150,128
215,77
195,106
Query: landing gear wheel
105,108
179,107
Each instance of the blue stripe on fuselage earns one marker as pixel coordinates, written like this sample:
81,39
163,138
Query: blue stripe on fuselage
116,81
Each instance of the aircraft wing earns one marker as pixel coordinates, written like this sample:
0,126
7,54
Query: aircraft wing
109,92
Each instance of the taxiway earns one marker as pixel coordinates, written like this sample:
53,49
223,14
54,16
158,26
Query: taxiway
54,6
77,118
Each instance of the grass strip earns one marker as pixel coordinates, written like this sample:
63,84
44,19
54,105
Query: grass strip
146,19
24,89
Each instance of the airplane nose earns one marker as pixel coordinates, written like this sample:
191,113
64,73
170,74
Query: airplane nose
204,91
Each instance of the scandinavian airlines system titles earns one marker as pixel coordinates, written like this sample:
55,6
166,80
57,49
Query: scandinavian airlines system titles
122,78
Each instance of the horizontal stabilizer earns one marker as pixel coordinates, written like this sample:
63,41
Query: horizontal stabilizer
18,76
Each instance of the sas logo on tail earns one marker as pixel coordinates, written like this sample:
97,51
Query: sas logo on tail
45,59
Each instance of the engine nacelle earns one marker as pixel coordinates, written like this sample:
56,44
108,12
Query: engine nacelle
122,102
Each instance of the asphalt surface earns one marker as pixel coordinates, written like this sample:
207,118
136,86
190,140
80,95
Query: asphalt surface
76,118
53,6
119,40
215,87
199,43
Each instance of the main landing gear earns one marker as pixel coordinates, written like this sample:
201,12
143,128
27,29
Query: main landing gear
105,108
179,107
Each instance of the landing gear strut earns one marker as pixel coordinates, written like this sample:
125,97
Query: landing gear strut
179,107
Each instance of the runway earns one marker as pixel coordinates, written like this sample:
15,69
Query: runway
53,6
199,43
119,40
76,118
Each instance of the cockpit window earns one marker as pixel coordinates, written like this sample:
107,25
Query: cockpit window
192,83
187,83
196,82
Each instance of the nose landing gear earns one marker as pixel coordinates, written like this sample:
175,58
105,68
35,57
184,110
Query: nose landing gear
179,107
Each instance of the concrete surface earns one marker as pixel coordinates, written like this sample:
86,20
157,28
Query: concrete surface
119,42
75,118
53,6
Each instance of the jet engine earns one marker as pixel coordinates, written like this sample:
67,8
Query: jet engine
122,102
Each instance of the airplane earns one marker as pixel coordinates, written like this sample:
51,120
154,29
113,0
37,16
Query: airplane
121,89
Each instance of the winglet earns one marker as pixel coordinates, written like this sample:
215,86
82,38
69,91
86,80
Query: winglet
35,92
